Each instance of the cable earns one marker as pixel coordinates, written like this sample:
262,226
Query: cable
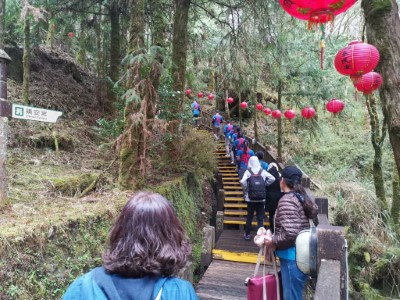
347,268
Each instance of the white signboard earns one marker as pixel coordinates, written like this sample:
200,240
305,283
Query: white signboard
34,113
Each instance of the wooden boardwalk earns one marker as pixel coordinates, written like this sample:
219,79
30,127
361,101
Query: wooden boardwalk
234,258
225,280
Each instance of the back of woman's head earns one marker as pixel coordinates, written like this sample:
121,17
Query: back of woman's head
292,177
260,155
147,239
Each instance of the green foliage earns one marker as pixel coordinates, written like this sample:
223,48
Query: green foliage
113,127
43,264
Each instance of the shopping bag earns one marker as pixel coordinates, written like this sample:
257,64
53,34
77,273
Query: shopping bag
265,287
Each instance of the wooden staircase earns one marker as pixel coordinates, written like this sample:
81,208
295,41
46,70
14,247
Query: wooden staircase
235,207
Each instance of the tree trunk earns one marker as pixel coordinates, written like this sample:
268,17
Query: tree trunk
377,138
395,210
51,31
240,110
279,133
179,49
2,22
382,23
115,42
158,33
81,56
131,150
25,60
3,163
136,26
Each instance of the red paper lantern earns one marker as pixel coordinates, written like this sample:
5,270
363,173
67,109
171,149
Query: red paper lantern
244,105
211,97
369,82
71,34
316,12
356,59
188,92
290,114
276,114
335,106
259,106
229,100
308,112
200,95
267,111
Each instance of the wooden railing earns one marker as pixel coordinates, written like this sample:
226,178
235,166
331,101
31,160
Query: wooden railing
332,280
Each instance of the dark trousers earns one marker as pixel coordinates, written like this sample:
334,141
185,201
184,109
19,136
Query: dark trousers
259,208
271,220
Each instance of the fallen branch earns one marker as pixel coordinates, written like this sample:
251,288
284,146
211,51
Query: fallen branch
96,180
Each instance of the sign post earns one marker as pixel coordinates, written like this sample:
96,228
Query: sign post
34,113
17,111
4,60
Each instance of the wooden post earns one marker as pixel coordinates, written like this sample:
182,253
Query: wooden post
4,60
219,224
323,210
221,199
332,263
208,245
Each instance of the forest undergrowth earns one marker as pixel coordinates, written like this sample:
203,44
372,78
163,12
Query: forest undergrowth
336,152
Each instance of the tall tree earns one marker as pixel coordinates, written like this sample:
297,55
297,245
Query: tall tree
179,48
383,30
25,58
115,45
3,125
377,138
2,22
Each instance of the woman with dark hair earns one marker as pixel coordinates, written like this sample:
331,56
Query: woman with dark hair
147,247
292,216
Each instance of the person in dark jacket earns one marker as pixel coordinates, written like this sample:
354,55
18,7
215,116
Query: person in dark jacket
274,193
294,210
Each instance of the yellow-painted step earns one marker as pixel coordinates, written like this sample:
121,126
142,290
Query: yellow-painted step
235,205
243,222
233,199
243,257
234,193
235,212
239,187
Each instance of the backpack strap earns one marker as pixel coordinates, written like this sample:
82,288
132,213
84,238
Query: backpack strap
259,172
251,172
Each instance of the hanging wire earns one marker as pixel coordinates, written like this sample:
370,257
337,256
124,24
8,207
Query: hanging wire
322,45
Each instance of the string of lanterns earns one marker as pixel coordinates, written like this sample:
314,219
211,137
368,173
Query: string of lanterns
358,60
317,13
334,106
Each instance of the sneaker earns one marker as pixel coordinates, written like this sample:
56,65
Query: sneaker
247,237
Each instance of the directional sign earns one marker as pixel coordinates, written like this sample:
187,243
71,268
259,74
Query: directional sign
34,113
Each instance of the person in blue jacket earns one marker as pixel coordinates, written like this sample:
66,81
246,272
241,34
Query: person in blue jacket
217,121
195,112
228,131
142,257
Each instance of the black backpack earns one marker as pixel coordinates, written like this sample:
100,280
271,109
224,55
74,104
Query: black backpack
256,186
